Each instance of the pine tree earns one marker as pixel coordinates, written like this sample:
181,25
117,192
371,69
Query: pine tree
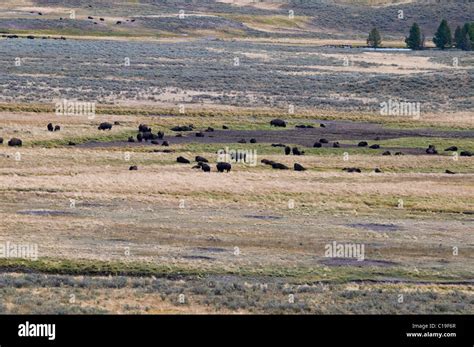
374,40
442,38
414,39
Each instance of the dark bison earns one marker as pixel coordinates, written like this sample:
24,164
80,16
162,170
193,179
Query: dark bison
221,167
143,128
449,172
299,167
451,149
209,130
287,150
267,162
302,126
466,154
160,135
278,145
105,126
387,153
377,170
375,146
431,150
279,166
253,141
182,128
149,136
133,168
336,144
1,140
201,159
352,169
182,160
155,142
317,145
205,167
139,137
50,127
323,141
15,142
322,125
131,139
165,143
199,134
296,151
57,128
242,141
278,123
399,153
362,144
225,127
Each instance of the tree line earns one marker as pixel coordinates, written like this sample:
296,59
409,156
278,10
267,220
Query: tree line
443,39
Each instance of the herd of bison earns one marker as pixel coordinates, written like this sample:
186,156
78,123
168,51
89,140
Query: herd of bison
145,133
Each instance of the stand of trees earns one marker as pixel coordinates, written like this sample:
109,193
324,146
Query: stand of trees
443,39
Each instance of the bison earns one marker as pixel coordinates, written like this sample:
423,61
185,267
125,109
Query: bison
221,167
323,141
375,146
57,128
205,167
465,154
165,143
133,168
431,150
362,144
278,123
296,151
387,153
451,149
317,145
299,167
287,150
182,160
15,142
279,166
201,159
143,128
267,162
50,127
105,126
336,144
253,141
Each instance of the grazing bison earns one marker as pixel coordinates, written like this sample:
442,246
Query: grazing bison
70,143
201,159
374,146
299,167
225,127
387,153
116,123
466,154
399,153
1,140
199,134
165,143
143,128
450,172
296,151
352,169
105,126
451,149
336,144
362,144
183,128
182,160
278,123
317,145
133,168
15,142
149,136
57,128
131,139
322,125
377,170
205,167
221,167
242,141
431,150
253,141
267,162
139,137
50,127
287,150
278,145
160,135
279,166
323,141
